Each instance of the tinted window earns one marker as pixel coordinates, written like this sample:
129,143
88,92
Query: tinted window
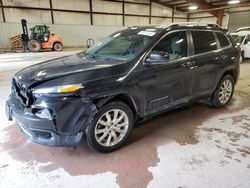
204,41
174,44
222,39
122,46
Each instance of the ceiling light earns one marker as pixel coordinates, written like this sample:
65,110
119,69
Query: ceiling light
233,2
193,7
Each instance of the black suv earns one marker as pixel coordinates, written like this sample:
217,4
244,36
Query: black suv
131,75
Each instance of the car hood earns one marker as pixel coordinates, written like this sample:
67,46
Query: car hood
63,66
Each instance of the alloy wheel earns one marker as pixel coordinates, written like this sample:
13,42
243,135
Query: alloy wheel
111,127
225,91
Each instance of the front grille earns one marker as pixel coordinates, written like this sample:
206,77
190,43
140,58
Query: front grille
22,94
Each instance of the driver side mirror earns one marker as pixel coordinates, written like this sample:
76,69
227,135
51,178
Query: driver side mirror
157,57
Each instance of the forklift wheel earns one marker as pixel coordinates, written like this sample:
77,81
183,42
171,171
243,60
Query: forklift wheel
57,47
34,45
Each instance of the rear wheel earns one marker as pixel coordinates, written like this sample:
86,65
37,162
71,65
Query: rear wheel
57,47
110,128
34,45
223,93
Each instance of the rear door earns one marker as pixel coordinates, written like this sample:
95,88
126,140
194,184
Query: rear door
207,61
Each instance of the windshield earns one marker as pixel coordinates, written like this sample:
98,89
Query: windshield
120,46
238,38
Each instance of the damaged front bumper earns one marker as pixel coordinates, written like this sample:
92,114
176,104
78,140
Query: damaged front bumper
53,121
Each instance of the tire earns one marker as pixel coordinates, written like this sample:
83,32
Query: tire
223,93
34,45
101,134
57,47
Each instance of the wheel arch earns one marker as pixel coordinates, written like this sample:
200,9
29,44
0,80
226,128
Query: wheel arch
56,42
232,73
123,97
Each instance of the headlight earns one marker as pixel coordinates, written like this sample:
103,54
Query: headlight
58,89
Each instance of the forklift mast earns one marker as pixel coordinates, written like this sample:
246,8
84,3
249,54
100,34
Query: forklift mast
25,34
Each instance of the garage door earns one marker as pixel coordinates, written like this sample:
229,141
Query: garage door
239,20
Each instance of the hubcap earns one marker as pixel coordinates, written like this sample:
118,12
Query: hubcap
111,127
34,45
225,91
58,47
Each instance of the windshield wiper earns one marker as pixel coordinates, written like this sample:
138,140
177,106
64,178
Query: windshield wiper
96,56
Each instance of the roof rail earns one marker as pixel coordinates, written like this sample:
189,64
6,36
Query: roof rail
194,24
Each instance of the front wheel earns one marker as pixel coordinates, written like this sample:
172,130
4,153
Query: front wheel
110,128
34,45
223,93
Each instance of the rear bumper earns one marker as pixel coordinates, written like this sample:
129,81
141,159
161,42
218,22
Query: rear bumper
52,121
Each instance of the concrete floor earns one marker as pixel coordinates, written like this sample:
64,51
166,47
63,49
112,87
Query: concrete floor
193,147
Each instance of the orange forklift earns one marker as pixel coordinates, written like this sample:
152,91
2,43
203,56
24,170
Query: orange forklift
40,38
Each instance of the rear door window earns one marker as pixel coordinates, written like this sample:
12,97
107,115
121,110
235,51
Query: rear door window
204,41
222,39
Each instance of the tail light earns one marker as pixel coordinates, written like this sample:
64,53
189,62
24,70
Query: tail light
238,48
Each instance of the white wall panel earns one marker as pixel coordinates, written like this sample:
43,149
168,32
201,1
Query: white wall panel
71,18
195,18
161,21
136,9
159,10
105,6
27,3
203,20
179,20
203,14
180,14
71,5
134,20
32,16
100,19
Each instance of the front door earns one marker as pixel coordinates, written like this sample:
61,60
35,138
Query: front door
168,83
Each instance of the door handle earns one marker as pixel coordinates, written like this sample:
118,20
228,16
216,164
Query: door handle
190,65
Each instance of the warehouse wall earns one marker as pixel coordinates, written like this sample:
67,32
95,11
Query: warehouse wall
73,36
208,18
75,27
202,17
